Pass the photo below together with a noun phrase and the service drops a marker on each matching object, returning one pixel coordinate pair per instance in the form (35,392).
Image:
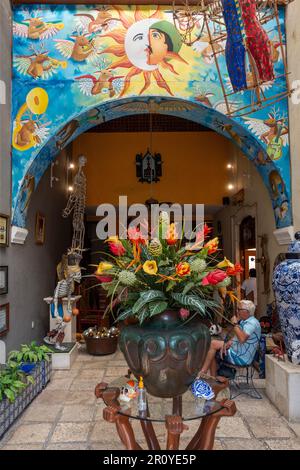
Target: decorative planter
(9,412)
(101,346)
(166,352)
(286,285)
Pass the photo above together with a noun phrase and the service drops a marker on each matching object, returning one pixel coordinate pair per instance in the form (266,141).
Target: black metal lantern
(148,167)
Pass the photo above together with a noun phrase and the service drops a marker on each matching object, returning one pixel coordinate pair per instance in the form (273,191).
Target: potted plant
(32,355)
(168,287)
(16,392)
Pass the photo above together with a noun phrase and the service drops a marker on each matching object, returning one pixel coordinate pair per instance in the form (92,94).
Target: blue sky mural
(77,66)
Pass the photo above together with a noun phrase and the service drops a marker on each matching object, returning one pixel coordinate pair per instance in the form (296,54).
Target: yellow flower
(212,245)
(102,267)
(150,267)
(225,264)
(113,239)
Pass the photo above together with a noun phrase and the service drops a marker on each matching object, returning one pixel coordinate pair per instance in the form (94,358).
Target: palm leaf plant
(144,277)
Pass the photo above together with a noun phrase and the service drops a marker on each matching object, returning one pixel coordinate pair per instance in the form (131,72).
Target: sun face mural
(76,66)
(145,46)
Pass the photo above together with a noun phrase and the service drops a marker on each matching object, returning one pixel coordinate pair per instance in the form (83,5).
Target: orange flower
(183,269)
(172,236)
(212,245)
(237,269)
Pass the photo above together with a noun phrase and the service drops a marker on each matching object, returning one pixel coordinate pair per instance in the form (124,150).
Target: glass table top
(159,408)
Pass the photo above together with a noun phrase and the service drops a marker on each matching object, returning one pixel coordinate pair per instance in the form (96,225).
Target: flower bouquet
(144,277)
(167,286)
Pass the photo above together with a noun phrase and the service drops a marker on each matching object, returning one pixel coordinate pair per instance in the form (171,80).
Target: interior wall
(194,166)
(256,203)
(5,109)
(32,267)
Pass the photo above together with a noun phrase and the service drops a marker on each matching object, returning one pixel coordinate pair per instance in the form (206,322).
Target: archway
(73,91)
(199,113)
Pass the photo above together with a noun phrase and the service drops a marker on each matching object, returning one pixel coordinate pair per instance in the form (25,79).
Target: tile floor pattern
(66,415)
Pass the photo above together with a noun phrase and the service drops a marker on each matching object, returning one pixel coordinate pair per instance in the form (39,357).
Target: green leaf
(145,298)
(188,287)
(191,301)
(10,394)
(143,314)
(127,313)
(157,307)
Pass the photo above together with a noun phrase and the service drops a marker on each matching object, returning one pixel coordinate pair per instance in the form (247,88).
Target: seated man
(241,349)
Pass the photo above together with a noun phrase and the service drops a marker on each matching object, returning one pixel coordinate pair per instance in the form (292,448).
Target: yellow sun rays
(118,50)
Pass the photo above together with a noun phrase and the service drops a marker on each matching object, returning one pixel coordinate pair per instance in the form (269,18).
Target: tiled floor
(66,415)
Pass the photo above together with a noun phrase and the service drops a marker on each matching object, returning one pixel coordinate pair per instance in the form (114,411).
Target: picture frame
(4,230)
(40,229)
(3,280)
(4,319)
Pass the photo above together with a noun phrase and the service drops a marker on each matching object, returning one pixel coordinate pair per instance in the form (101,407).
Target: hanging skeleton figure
(76,203)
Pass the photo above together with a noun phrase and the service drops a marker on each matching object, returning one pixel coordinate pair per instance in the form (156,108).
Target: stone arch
(197,112)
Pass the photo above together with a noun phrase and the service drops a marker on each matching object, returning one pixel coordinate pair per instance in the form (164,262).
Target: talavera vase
(167,352)
(286,285)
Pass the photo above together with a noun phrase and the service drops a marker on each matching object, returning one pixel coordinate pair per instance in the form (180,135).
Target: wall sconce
(53,178)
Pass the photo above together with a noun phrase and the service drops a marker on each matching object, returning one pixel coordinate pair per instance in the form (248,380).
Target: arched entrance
(176,107)
(117,74)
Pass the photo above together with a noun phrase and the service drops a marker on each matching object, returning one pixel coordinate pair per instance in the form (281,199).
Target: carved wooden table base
(202,440)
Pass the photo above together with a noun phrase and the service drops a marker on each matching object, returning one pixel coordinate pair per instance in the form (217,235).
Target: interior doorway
(247,245)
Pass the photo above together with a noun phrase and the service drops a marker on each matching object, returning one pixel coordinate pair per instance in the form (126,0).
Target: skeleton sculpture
(76,203)
(65,288)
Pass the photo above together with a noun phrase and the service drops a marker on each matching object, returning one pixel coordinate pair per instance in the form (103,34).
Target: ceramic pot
(101,346)
(167,352)
(286,285)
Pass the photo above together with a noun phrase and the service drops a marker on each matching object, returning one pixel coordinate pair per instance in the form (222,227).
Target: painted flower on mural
(145,43)
(149,276)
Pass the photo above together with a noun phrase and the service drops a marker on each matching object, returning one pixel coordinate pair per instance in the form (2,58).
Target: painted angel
(36,28)
(97,19)
(38,65)
(91,85)
(272,131)
(80,47)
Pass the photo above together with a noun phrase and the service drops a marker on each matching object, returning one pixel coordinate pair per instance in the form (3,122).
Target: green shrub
(13,381)
(30,353)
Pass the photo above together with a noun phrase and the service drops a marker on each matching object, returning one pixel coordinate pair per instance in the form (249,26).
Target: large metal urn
(286,285)
(167,352)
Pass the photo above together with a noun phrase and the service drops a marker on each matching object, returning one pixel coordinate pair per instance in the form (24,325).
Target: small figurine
(201,389)
(129,390)
(56,336)
(215,329)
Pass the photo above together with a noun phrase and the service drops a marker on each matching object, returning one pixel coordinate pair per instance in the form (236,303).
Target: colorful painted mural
(76,66)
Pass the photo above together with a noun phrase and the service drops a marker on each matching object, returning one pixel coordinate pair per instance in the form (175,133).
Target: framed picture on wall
(3,280)
(4,230)
(40,229)
(4,319)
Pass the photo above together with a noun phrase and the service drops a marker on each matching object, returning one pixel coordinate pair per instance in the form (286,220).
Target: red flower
(116,248)
(104,279)
(207,230)
(214,277)
(184,313)
(136,236)
(237,269)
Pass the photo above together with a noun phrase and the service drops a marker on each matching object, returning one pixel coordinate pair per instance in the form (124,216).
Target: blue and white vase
(286,285)
(201,389)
